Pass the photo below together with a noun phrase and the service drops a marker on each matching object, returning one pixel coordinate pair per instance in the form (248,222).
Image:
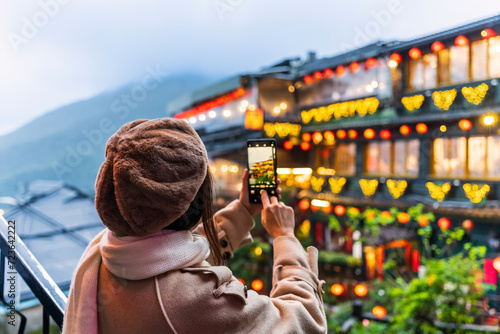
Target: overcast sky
(53,52)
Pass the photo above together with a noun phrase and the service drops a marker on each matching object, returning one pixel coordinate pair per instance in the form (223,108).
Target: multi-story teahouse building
(391,124)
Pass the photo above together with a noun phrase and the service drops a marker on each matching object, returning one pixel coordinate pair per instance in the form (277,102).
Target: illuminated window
(406,155)
(477,156)
(459,64)
(444,67)
(480,60)
(378,158)
(345,159)
(493,157)
(423,72)
(494,57)
(449,156)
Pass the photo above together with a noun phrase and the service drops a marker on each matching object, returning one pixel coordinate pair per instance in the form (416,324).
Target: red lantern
(318,75)
(488,33)
(403,218)
(371,62)
(423,221)
(461,41)
(465,124)
(354,67)
(339,210)
(288,145)
(328,73)
(369,133)
(353,134)
(340,70)
(396,57)
(379,312)
(257,285)
(317,137)
(304,204)
(415,260)
(444,223)
(314,207)
(308,79)
(421,128)
(241,281)
(437,47)
(496,264)
(329,136)
(360,290)
(415,53)
(337,289)
(327,209)
(468,225)
(385,134)
(306,136)
(341,134)
(405,130)
(305,146)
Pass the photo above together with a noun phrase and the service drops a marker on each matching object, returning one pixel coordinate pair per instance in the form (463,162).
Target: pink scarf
(132,258)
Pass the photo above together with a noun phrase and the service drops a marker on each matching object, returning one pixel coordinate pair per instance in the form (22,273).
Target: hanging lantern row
(339,71)
(360,290)
(240,92)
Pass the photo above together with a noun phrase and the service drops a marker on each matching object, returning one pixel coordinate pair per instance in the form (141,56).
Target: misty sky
(84,47)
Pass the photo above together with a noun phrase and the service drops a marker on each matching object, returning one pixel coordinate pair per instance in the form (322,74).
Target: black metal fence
(17,260)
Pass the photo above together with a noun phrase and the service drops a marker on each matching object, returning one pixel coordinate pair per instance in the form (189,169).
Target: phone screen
(261,168)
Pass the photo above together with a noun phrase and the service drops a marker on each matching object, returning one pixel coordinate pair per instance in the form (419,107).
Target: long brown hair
(202,207)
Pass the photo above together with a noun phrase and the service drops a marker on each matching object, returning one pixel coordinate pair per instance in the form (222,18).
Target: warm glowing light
(392,63)
(284,171)
(291,88)
(257,285)
(489,120)
(329,136)
(443,100)
(192,120)
(369,133)
(302,171)
(368,187)
(224,168)
(304,204)
(442,128)
(421,128)
(317,137)
(338,110)
(496,264)
(328,209)
(468,224)
(226,113)
(396,187)
(308,79)
(341,134)
(325,171)
(488,33)
(339,210)
(305,146)
(396,57)
(320,203)
(385,214)
(288,145)
(202,117)
(444,223)
(306,136)
(465,124)
(475,95)
(277,110)
(360,290)
(423,221)
(336,184)
(379,312)
(283,105)
(317,183)
(437,47)
(328,73)
(282,129)
(340,71)
(415,53)
(412,103)
(2,212)
(405,130)
(403,218)
(337,289)
(371,62)
(353,134)
(354,67)
(241,280)
(461,41)
(476,192)
(318,75)
(212,114)
(385,134)
(438,192)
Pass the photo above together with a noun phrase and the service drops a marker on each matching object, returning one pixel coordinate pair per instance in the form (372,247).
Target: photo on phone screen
(261,168)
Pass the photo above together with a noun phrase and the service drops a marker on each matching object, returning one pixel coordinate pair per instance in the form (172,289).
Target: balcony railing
(17,260)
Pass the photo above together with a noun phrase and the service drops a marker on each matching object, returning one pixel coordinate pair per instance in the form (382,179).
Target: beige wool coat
(209,299)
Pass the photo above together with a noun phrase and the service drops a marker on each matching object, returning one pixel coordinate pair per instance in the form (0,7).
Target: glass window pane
(384,162)
(416,81)
(345,159)
(477,156)
(494,57)
(444,67)
(459,64)
(457,149)
(479,60)
(494,156)
(430,70)
(440,157)
(399,158)
(372,157)
(412,156)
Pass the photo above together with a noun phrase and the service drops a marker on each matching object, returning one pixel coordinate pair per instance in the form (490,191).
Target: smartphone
(261,168)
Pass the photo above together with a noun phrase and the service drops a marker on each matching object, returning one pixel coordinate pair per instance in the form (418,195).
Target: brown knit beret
(152,172)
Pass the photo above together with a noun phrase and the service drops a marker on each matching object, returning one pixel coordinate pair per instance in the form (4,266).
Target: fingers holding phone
(277,218)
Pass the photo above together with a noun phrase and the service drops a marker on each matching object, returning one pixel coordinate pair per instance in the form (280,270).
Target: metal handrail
(41,284)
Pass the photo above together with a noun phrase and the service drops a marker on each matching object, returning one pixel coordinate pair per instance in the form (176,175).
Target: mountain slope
(68,143)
